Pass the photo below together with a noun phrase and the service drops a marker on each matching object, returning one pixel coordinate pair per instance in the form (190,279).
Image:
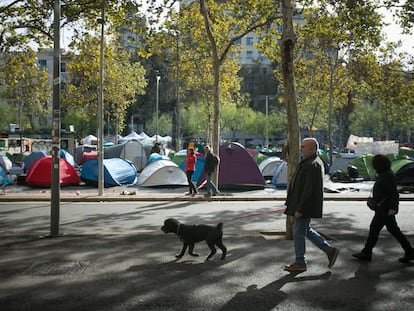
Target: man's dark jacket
(210,163)
(305,192)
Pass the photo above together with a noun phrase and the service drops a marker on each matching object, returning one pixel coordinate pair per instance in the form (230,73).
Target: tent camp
(39,173)
(268,166)
(131,150)
(162,173)
(117,172)
(238,170)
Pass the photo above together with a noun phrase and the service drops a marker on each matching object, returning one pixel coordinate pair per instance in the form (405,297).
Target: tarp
(268,166)
(32,158)
(131,150)
(354,140)
(238,170)
(117,172)
(340,162)
(162,173)
(39,174)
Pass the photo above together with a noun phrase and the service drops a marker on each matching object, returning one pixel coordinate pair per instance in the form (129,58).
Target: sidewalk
(94,269)
(82,193)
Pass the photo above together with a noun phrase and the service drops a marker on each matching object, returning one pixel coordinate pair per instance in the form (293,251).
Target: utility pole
(100,108)
(55,178)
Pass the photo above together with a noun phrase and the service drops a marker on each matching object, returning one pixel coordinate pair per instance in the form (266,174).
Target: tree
(25,88)
(225,22)
(123,82)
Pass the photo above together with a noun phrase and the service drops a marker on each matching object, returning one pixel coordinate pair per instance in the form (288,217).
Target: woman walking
(385,194)
(190,164)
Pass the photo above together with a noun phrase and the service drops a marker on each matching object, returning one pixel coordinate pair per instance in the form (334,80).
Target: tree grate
(56,268)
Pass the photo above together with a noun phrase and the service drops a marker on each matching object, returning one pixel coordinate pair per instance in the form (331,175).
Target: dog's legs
(223,249)
(190,250)
(182,251)
(213,250)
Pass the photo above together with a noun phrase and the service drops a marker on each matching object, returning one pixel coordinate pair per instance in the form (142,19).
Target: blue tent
(32,158)
(117,172)
(67,156)
(199,168)
(4,179)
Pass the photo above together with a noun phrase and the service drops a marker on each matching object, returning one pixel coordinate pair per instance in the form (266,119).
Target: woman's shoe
(362,256)
(407,257)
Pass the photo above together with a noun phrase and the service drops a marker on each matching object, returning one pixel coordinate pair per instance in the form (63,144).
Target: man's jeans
(211,187)
(303,230)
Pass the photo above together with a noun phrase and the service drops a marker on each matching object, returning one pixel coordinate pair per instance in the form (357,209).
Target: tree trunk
(287,45)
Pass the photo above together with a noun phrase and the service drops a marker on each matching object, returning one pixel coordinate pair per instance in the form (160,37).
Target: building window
(62,67)
(249,41)
(42,63)
(264,70)
(249,54)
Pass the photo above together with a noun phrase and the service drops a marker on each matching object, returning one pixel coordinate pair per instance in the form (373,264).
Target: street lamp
(333,61)
(157,100)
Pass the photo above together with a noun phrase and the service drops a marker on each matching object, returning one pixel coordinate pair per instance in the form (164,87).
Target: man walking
(304,201)
(209,168)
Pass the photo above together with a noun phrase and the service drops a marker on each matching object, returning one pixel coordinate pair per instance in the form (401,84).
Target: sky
(394,33)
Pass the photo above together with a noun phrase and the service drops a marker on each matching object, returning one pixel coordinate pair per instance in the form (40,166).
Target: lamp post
(157,100)
(333,60)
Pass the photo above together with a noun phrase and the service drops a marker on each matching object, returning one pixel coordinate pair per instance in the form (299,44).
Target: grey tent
(131,150)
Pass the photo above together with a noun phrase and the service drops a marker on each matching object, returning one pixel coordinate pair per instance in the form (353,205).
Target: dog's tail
(220,226)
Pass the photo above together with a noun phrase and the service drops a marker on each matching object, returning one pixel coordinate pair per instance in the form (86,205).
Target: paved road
(113,256)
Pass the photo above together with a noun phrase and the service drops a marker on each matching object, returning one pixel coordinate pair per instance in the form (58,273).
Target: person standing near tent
(386,196)
(304,201)
(209,168)
(189,168)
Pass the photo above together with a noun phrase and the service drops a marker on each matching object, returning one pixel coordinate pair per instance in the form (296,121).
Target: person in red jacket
(189,168)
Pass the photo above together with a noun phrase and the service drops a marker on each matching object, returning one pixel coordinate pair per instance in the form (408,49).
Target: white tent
(268,166)
(162,173)
(131,150)
(280,177)
(90,140)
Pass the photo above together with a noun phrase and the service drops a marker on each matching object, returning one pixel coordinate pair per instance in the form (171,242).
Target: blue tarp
(117,172)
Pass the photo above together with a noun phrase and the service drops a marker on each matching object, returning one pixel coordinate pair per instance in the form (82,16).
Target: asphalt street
(113,256)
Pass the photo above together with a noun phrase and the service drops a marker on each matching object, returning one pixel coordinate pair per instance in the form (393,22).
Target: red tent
(40,173)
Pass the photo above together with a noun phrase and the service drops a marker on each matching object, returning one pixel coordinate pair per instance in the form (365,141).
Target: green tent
(364,166)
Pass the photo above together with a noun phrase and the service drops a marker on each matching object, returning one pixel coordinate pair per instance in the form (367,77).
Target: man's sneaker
(362,256)
(332,254)
(295,267)
(408,257)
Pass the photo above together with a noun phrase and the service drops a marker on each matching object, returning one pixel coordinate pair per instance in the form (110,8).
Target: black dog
(191,234)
